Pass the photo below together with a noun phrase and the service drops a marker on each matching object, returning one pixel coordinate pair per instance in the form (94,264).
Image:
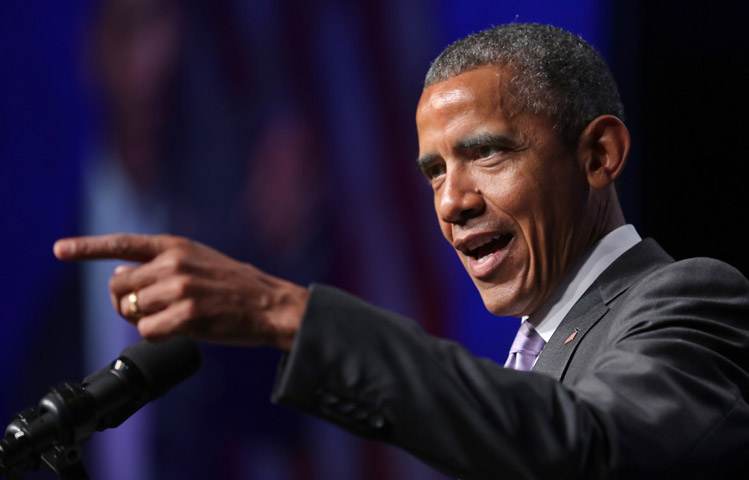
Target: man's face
(508,194)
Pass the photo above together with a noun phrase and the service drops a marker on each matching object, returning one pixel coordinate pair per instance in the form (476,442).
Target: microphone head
(163,365)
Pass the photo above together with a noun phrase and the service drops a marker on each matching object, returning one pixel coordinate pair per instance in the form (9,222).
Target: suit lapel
(593,305)
(556,355)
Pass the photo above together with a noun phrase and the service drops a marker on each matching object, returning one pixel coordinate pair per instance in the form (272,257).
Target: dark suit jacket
(655,384)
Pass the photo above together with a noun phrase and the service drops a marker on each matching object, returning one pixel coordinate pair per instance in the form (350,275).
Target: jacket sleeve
(380,376)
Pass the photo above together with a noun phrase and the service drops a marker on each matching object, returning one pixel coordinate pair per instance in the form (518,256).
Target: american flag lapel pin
(571,337)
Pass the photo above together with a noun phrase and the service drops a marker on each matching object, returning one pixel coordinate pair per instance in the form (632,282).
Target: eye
(487,151)
(433,171)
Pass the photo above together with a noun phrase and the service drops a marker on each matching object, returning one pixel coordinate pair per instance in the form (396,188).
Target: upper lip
(471,242)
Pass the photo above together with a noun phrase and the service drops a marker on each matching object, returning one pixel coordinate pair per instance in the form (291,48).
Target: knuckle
(182,286)
(148,331)
(190,308)
(117,244)
(169,262)
(172,241)
(116,285)
(122,311)
(174,260)
(155,328)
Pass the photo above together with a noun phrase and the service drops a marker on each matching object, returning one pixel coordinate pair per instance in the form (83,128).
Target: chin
(502,304)
(506,293)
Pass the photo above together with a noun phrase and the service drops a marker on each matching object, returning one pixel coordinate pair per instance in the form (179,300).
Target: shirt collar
(594,262)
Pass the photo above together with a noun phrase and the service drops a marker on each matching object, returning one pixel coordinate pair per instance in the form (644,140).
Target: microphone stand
(50,436)
(18,454)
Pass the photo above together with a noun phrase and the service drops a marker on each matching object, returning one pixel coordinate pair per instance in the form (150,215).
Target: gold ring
(133,299)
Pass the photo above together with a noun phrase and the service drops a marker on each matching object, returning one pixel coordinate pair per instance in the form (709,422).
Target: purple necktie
(526,347)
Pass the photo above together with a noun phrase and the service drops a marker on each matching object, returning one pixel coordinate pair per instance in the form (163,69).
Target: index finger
(123,246)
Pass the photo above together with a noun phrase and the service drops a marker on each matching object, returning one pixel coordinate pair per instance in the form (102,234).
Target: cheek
(512,192)
(521,198)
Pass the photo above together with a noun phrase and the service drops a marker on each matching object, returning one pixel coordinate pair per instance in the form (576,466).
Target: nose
(459,199)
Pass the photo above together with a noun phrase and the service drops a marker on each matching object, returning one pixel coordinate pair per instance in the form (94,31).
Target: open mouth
(493,245)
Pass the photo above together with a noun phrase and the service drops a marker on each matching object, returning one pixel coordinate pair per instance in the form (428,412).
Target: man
(644,372)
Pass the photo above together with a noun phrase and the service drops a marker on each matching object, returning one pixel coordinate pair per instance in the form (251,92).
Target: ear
(603,149)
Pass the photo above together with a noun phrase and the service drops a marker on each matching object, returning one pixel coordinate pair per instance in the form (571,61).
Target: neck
(602,216)
(605,215)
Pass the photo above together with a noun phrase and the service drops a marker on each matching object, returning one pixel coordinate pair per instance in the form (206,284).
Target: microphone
(69,414)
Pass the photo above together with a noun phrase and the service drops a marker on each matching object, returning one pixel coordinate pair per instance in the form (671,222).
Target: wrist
(291,303)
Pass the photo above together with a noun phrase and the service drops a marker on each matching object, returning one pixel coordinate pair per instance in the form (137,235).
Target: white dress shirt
(591,265)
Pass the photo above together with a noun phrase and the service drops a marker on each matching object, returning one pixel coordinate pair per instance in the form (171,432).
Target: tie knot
(526,347)
(527,340)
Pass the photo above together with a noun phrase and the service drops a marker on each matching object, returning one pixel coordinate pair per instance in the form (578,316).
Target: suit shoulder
(697,277)
(697,293)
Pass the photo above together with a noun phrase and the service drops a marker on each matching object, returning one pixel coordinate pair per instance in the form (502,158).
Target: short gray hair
(555,73)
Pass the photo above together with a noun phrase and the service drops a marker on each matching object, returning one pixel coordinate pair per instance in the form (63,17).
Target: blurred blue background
(281,132)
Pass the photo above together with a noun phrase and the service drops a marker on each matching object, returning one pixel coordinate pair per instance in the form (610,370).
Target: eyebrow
(424,162)
(478,140)
(482,139)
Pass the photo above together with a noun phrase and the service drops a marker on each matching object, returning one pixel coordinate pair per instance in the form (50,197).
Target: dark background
(282,133)
(694,125)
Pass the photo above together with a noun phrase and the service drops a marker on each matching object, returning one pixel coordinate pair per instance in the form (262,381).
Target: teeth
(483,259)
(481,242)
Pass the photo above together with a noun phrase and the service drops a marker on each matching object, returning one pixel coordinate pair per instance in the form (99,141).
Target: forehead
(485,85)
(472,100)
